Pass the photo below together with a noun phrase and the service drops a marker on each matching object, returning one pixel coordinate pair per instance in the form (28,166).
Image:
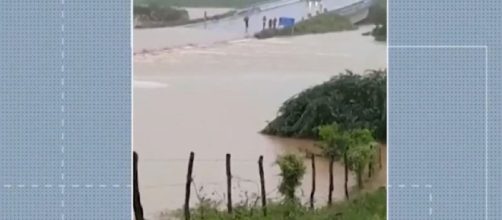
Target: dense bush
(350,100)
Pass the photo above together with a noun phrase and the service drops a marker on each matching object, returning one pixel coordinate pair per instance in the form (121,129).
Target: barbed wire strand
(166,160)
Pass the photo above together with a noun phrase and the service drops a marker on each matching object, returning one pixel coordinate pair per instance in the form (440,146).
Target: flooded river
(214,100)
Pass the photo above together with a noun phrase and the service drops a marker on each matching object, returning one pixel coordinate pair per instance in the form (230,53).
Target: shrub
(292,171)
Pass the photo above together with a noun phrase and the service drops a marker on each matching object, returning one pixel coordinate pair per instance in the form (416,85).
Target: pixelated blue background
(90,178)
(445,102)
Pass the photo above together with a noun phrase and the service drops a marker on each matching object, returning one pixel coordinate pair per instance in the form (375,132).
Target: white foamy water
(148,85)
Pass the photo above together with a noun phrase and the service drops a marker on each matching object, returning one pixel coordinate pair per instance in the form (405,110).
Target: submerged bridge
(297,9)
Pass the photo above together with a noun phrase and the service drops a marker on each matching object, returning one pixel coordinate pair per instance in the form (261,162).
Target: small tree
(335,142)
(329,134)
(292,171)
(360,153)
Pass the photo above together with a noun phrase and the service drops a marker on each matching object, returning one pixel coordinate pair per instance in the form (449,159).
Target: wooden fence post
(187,188)
(229,185)
(138,208)
(380,156)
(346,167)
(331,187)
(262,182)
(370,164)
(313,183)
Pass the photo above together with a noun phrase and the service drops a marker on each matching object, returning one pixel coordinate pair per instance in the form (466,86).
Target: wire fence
(233,182)
(197,186)
(238,180)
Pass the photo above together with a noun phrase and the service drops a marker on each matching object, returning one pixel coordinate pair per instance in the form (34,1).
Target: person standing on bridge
(264,22)
(205,19)
(274,24)
(246,22)
(270,23)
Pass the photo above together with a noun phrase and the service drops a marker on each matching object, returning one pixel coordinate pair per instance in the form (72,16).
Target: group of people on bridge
(272,23)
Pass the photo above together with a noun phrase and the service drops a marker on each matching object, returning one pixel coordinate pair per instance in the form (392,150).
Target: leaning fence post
(187,188)
(380,156)
(346,167)
(331,187)
(370,164)
(262,183)
(229,185)
(138,208)
(313,183)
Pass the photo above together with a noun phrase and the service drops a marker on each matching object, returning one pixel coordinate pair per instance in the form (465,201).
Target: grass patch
(323,23)
(366,206)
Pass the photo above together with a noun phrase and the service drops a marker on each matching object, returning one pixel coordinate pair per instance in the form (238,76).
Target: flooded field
(215,99)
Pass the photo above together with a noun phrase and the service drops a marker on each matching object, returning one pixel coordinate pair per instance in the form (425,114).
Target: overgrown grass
(366,206)
(323,23)
(201,3)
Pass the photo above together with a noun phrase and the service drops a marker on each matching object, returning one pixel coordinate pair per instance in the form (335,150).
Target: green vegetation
(355,145)
(154,15)
(351,100)
(200,3)
(323,23)
(292,171)
(367,206)
(359,153)
(158,15)
(378,16)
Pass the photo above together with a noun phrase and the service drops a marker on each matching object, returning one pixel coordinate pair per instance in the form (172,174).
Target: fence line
(230,178)
(167,160)
(235,178)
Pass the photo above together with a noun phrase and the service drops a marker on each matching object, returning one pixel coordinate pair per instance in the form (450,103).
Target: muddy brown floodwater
(214,100)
